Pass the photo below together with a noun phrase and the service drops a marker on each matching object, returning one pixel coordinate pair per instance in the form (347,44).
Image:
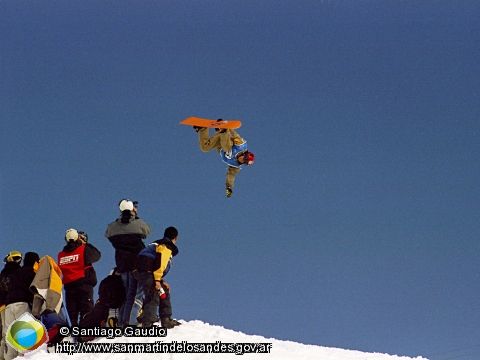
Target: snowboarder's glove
(229,192)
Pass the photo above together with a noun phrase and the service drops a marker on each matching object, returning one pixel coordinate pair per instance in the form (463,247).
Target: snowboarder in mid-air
(231,148)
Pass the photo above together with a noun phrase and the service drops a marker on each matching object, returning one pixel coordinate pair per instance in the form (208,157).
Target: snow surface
(196,331)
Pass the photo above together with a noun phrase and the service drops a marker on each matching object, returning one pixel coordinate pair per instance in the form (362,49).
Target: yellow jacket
(47,287)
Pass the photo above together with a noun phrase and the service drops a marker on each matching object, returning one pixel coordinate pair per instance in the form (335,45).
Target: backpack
(111,291)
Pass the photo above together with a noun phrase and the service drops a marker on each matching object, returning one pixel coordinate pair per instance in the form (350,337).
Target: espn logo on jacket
(64,260)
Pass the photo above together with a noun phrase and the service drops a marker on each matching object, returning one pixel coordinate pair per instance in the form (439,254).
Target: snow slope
(198,332)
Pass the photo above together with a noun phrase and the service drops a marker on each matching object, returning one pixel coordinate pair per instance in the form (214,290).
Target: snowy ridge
(196,331)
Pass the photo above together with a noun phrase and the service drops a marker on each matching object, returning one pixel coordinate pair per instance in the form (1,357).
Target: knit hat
(170,233)
(30,259)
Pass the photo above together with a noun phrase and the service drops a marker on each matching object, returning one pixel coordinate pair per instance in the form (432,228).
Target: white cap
(71,235)
(125,204)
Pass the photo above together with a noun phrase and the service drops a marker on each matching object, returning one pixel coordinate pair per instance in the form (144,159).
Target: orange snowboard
(219,124)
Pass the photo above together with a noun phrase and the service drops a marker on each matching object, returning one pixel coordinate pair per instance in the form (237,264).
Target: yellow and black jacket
(156,258)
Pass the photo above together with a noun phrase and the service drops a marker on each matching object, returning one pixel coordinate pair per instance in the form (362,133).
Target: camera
(83,235)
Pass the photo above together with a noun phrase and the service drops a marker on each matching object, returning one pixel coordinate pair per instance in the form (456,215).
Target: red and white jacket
(75,261)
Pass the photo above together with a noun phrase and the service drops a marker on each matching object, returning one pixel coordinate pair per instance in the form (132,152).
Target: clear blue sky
(358,225)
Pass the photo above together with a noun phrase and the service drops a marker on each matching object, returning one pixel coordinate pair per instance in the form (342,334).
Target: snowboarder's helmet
(13,256)
(249,158)
(71,235)
(127,204)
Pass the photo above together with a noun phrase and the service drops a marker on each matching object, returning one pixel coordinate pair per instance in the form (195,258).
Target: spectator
(79,277)
(153,263)
(12,263)
(126,235)
(19,298)
(111,295)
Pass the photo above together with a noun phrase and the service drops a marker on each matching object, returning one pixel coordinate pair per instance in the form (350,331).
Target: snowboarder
(231,148)
(79,277)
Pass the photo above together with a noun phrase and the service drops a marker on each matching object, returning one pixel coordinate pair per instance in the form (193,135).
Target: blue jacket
(230,157)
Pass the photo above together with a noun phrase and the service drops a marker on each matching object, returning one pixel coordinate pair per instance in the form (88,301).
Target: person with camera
(126,234)
(79,277)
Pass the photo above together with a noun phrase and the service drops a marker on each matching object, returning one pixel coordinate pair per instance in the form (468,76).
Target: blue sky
(357,227)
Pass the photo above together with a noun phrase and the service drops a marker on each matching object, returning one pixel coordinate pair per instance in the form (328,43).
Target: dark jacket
(126,235)
(8,270)
(19,288)
(90,256)
(20,281)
